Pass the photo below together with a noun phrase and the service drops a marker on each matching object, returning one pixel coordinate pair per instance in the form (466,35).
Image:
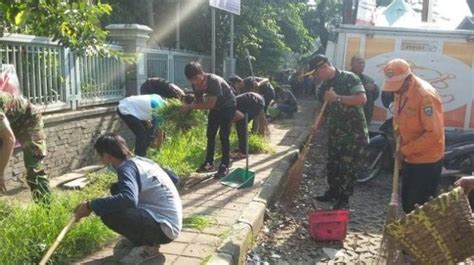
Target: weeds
(28,231)
(198,222)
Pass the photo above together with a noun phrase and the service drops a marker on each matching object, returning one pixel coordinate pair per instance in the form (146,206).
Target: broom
(261,125)
(58,240)
(389,251)
(296,170)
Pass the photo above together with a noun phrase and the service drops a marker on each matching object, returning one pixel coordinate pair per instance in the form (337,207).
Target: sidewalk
(237,214)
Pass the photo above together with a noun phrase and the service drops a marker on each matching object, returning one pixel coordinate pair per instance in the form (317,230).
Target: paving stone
(206,239)
(198,250)
(174,248)
(187,237)
(187,261)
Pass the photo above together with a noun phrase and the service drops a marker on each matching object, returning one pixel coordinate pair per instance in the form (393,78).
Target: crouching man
(144,206)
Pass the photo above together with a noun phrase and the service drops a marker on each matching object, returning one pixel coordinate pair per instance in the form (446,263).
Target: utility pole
(213,40)
(427,11)
(347,12)
(178,22)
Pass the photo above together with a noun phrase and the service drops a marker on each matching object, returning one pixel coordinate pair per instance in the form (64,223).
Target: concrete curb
(234,248)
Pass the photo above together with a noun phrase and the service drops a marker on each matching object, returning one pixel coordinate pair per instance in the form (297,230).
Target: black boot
(327,197)
(341,203)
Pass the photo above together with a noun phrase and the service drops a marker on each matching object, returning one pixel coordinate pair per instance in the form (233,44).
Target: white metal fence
(53,77)
(169,64)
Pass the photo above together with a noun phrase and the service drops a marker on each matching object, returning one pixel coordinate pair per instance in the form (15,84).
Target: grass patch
(198,222)
(205,260)
(183,152)
(257,143)
(27,231)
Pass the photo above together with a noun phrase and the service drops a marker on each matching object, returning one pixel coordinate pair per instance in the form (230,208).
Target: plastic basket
(439,232)
(328,225)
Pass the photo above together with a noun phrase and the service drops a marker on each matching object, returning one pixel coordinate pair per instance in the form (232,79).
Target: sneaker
(206,168)
(223,171)
(141,254)
(238,155)
(326,197)
(341,203)
(123,245)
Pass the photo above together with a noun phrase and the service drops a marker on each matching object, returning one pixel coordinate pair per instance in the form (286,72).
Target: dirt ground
(284,238)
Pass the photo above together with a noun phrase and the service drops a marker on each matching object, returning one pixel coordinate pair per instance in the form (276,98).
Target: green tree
(269,29)
(75,24)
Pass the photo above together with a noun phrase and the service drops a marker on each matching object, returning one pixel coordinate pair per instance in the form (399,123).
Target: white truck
(445,58)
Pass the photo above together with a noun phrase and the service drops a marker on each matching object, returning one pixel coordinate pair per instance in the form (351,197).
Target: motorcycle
(458,155)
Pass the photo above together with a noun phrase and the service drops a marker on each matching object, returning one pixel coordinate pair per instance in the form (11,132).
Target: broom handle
(57,241)
(396,173)
(317,122)
(246,144)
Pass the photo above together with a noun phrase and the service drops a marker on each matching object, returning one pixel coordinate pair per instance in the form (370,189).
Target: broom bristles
(295,174)
(389,252)
(261,125)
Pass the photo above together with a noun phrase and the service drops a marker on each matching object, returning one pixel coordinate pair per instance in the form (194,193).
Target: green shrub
(173,120)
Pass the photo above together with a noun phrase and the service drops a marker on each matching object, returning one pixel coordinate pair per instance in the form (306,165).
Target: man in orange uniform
(418,120)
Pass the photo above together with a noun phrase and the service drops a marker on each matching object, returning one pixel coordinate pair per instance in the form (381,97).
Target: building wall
(70,140)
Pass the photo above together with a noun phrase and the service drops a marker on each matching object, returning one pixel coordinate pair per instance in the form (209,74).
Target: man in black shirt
(249,103)
(262,86)
(236,83)
(213,93)
(162,87)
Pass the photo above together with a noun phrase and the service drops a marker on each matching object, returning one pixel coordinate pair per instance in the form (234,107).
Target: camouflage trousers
(33,145)
(342,167)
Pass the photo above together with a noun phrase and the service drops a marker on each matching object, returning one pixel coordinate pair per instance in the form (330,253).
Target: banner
(366,12)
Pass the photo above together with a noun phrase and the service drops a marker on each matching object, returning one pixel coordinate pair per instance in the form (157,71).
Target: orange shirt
(418,115)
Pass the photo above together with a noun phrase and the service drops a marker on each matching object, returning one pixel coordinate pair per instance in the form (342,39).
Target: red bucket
(328,225)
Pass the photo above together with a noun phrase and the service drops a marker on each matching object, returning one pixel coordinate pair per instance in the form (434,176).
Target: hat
(395,71)
(315,63)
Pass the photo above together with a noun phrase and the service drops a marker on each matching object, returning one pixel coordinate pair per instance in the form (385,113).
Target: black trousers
(219,120)
(419,183)
(142,133)
(242,132)
(137,225)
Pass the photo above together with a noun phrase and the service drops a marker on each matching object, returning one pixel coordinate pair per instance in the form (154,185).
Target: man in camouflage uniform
(372,91)
(19,120)
(348,134)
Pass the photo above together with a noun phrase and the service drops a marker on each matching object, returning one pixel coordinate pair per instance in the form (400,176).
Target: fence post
(171,67)
(132,37)
(71,77)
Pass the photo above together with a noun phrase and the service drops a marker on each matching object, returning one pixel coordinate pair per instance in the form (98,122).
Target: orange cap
(395,71)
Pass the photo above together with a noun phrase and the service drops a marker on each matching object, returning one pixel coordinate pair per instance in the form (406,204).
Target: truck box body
(445,58)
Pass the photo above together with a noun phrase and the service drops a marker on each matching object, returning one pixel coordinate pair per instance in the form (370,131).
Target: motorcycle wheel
(374,162)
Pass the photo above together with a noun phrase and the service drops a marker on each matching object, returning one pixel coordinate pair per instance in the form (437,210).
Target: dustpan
(241,177)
